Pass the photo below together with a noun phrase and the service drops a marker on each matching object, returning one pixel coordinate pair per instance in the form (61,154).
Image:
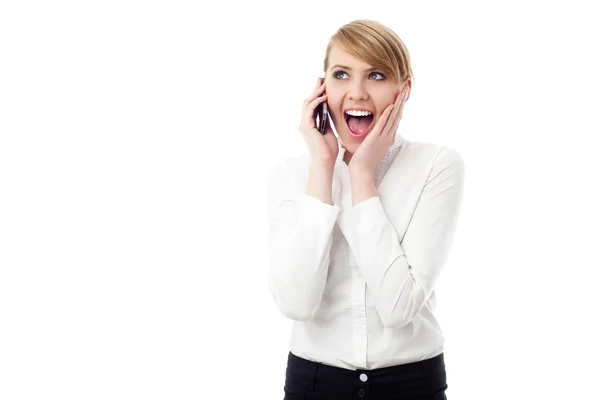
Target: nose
(357,91)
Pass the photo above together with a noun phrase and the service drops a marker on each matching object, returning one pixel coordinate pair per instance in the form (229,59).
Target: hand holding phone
(315,127)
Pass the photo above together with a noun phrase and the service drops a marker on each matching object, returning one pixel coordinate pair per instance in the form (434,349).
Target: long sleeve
(402,275)
(300,237)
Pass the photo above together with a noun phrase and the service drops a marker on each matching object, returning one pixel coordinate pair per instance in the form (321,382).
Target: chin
(350,145)
(349,142)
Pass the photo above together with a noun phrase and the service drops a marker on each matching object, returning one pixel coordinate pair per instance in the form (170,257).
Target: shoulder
(291,162)
(288,169)
(431,156)
(434,152)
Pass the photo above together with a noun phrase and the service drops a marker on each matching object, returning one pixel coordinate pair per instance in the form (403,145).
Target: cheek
(385,98)
(383,103)
(333,100)
(334,107)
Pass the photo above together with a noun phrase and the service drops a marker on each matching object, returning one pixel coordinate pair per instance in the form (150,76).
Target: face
(352,84)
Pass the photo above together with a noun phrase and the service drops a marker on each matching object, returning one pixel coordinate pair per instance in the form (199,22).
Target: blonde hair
(375,44)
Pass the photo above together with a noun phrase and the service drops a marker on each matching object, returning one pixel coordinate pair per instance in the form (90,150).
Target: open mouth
(359,124)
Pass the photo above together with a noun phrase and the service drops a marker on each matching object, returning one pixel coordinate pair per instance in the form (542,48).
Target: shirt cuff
(314,212)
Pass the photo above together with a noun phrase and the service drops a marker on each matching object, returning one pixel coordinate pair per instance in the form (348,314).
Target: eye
(378,73)
(337,74)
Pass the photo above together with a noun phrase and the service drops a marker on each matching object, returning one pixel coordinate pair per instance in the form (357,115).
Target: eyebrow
(350,69)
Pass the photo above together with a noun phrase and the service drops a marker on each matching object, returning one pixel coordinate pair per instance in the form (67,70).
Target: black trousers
(422,380)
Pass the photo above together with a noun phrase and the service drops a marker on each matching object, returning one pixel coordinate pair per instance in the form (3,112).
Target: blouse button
(363,377)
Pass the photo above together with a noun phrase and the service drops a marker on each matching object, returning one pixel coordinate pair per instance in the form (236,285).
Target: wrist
(322,164)
(363,187)
(361,174)
(320,179)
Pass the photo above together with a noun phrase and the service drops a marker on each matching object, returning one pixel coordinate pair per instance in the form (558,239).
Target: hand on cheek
(397,113)
(377,143)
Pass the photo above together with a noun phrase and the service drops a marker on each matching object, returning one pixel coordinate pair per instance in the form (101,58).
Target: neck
(347,157)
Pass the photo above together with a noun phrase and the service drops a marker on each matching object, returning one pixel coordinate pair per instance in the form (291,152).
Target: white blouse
(359,281)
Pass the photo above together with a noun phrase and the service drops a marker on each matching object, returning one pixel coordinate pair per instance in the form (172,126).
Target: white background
(135,138)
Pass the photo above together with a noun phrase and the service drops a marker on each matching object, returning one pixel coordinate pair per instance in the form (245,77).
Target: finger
(399,101)
(386,119)
(394,128)
(316,93)
(393,125)
(398,118)
(396,115)
(380,124)
(311,109)
(313,104)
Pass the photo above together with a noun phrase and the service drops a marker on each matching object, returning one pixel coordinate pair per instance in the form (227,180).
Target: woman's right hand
(323,148)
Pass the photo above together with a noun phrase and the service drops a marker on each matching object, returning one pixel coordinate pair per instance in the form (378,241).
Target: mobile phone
(322,115)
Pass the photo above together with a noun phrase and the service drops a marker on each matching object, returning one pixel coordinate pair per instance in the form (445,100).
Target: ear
(409,84)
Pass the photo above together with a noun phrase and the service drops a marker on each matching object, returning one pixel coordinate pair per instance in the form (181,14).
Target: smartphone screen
(322,115)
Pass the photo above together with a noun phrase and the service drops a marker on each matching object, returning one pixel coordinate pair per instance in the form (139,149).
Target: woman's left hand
(377,143)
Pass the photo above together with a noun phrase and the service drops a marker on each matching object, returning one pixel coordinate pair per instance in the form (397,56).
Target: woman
(359,230)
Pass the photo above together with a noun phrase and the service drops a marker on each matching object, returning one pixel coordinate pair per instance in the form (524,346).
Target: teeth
(356,113)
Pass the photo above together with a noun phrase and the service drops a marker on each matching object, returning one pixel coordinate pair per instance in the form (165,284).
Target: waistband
(431,364)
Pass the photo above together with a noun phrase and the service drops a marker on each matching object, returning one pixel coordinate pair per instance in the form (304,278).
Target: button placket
(362,392)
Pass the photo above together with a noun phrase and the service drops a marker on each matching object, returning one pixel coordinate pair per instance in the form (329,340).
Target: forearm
(300,261)
(363,187)
(381,259)
(320,179)
(401,268)
(384,266)
(300,238)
